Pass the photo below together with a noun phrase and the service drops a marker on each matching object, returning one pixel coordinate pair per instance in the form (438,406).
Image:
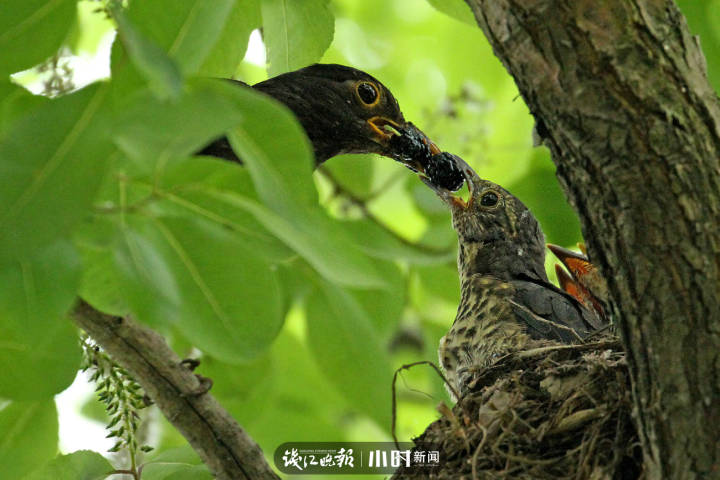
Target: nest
(550,413)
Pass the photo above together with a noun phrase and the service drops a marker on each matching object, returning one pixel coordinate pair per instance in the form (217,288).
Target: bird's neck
(502,261)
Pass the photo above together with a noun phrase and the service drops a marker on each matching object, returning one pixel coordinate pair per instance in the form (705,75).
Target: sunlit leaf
(162,74)
(287,380)
(457,9)
(186,30)
(31,31)
(152,130)
(39,354)
(225,57)
(296,33)
(323,243)
(28,436)
(349,351)
(80,465)
(202,279)
(52,161)
(384,306)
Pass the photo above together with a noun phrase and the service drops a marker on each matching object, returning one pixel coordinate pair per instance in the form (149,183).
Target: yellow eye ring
(367,93)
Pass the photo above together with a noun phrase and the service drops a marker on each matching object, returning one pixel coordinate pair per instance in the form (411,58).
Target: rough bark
(221,443)
(620,95)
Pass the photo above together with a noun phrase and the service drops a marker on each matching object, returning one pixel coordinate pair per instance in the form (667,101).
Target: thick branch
(221,443)
(620,95)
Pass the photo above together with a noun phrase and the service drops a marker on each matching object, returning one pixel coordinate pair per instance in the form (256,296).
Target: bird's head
(345,110)
(497,233)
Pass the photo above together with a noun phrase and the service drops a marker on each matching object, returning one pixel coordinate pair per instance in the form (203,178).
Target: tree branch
(221,443)
(619,92)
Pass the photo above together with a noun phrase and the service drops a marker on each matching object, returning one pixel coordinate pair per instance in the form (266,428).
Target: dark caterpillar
(443,171)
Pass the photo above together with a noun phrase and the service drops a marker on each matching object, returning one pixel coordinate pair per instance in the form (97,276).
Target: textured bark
(621,98)
(221,443)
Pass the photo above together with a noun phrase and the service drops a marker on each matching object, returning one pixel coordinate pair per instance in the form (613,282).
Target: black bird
(507,302)
(343,110)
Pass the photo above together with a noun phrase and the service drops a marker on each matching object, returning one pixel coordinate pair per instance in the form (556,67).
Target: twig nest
(550,413)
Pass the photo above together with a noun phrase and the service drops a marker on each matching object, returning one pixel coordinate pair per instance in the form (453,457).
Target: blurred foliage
(302,292)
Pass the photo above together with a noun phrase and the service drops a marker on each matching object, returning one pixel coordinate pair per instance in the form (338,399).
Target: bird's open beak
(405,143)
(576,263)
(451,198)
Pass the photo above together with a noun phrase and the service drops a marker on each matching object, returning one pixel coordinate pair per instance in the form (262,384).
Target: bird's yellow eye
(367,93)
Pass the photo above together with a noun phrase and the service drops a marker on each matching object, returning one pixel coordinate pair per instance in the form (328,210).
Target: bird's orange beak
(576,263)
(385,130)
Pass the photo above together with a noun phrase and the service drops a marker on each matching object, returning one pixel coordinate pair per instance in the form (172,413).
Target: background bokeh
(310,382)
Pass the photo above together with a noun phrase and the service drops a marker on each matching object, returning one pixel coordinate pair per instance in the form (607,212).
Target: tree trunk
(620,95)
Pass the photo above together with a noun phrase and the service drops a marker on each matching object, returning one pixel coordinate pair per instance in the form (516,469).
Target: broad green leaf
(379,243)
(15,102)
(185,30)
(225,57)
(39,354)
(349,351)
(284,394)
(353,172)
(28,436)
(80,465)
(52,161)
(31,31)
(320,241)
(168,470)
(276,152)
(162,74)
(175,464)
(456,9)
(203,280)
(384,306)
(296,33)
(151,130)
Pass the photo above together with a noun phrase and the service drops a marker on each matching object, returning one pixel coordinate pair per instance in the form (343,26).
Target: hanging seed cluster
(122,396)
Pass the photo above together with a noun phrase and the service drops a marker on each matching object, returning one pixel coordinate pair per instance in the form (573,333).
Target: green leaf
(28,436)
(296,33)
(457,9)
(151,130)
(320,241)
(16,102)
(39,354)
(377,242)
(32,30)
(162,74)
(202,279)
(52,161)
(276,152)
(277,155)
(384,306)
(349,351)
(225,57)
(186,31)
(80,465)
(283,394)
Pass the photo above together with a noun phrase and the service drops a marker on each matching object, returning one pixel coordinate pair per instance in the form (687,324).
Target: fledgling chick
(507,302)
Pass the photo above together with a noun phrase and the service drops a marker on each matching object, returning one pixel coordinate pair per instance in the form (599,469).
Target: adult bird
(343,110)
(507,302)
